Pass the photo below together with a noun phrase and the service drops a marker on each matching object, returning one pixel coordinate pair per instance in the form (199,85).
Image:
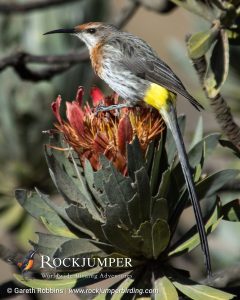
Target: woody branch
(14,7)
(59,63)
(220,107)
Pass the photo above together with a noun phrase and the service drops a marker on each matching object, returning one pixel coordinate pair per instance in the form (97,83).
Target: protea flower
(123,193)
(108,133)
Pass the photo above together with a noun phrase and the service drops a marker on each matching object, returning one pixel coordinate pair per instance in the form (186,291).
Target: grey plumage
(142,60)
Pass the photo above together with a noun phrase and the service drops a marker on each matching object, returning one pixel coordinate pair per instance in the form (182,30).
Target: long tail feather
(170,118)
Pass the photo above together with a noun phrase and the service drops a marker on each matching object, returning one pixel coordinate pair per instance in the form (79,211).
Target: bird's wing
(140,59)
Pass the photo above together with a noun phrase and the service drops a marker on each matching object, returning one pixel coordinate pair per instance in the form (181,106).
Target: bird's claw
(100,107)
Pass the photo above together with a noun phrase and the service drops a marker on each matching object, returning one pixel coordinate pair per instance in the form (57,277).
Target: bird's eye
(91,30)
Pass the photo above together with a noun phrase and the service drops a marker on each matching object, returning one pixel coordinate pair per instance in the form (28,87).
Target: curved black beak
(70,30)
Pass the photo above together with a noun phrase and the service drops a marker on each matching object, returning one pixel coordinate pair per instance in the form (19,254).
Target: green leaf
(191,239)
(68,179)
(92,183)
(211,184)
(40,210)
(62,231)
(119,191)
(124,285)
(48,243)
(134,157)
(219,63)
(58,283)
(160,237)
(204,189)
(143,188)
(84,219)
(135,211)
(156,167)
(196,156)
(155,237)
(159,209)
(200,292)
(121,238)
(115,217)
(203,148)
(196,7)
(166,290)
(165,184)
(198,133)
(206,146)
(149,156)
(208,186)
(106,248)
(60,209)
(197,173)
(118,188)
(97,179)
(199,43)
(231,211)
(77,248)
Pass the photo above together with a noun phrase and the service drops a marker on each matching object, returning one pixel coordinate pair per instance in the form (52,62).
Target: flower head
(107,132)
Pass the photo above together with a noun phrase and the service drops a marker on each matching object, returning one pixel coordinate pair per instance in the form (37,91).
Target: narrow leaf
(40,210)
(198,153)
(134,157)
(159,209)
(58,283)
(61,231)
(219,63)
(197,7)
(231,211)
(191,239)
(200,292)
(209,185)
(166,290)
(144,192)
(198,133)
(199,43)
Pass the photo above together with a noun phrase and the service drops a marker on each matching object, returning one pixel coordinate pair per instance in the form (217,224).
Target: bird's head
(90,33)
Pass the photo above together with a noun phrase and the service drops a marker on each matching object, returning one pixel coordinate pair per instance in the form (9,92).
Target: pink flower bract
(107,133)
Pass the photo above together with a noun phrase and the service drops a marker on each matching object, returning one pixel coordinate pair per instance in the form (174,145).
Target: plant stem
(220,107)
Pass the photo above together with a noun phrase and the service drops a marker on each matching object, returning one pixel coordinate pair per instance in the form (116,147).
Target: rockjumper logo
(73,262)
(26,263)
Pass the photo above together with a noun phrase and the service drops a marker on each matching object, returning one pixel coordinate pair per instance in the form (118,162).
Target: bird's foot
(100,108)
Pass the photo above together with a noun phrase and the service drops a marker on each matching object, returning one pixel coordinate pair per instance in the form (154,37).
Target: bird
(133,70)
